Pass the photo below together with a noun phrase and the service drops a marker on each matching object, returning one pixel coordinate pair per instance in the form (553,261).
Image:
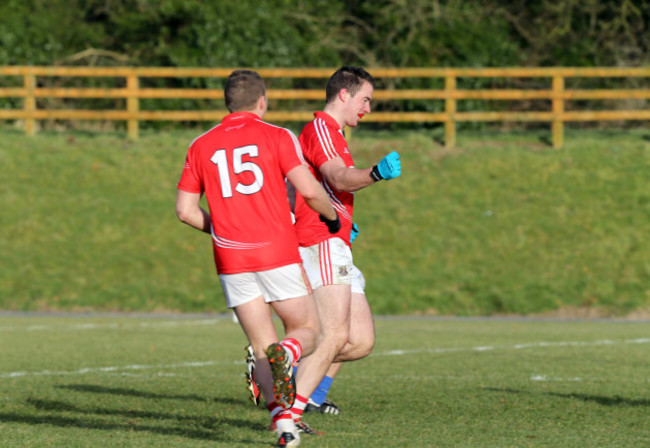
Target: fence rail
(556,94)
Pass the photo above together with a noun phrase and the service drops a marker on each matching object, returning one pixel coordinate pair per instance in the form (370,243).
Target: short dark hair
(243,89)
(349,78)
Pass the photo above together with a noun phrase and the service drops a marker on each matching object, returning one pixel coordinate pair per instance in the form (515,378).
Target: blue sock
(320,394)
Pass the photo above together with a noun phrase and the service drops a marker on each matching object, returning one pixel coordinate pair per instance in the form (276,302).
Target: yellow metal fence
(132,114)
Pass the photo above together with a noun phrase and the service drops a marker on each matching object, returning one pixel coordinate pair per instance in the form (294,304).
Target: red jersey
(241,165)
(322,139)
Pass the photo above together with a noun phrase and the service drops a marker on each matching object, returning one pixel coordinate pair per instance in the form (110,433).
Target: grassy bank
(504,224)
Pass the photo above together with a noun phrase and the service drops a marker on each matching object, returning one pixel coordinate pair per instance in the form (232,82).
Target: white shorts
(286,282)
(330,263)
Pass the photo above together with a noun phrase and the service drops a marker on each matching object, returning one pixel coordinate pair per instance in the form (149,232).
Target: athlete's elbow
(183,214)
(310,192)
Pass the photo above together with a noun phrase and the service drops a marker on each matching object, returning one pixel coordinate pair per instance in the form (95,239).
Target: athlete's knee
(365,347)
(307,336)
(334,339)
(311,328)
(358,347)
(308,322)
(363,339)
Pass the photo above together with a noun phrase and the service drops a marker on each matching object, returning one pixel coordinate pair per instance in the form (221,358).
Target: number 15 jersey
(241,165)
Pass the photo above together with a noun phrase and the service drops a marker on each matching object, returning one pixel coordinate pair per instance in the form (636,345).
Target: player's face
(359,104)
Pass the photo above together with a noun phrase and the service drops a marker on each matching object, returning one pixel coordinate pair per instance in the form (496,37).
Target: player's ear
(344,95)
(263,104)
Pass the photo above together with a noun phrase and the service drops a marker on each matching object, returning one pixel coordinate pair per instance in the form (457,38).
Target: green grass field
(501,225)
(143,381)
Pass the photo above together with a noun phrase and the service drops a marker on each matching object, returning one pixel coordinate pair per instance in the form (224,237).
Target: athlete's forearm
(199,220)
(349,179)
(189,212)
(321,204)
(312,192)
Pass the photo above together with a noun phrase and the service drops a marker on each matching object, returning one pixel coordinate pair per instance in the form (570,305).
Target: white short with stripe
(330,263)
(286,282)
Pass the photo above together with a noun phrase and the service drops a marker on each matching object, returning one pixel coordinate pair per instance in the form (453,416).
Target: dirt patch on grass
(640,314)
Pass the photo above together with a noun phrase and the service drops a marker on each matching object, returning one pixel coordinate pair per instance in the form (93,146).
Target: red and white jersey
(241,166)
(322,140)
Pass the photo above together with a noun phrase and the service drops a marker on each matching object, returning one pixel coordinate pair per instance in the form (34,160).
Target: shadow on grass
(98,424)
(66,415)
(61,414)
(60,406)
(605,401)
(91,388)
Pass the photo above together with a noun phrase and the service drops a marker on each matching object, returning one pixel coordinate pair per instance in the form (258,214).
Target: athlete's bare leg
(256,320)
(361,337)
(300,319)
(334,310)
(334,369)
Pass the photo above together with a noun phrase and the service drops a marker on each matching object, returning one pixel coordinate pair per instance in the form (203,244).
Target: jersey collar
(239,117)
(329,120)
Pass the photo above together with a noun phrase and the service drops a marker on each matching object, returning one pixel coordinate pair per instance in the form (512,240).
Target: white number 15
(219,158)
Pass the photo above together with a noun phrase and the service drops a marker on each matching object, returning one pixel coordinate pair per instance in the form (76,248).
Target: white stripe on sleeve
(325,140)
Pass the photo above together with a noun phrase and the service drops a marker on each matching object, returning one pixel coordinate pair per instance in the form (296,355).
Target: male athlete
(241,165)
(347,328)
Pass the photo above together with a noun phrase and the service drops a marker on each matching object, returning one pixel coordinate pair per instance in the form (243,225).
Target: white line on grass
(139,375)
(541,344)
(120,326)
(112,369)
(433,351)
(554,378)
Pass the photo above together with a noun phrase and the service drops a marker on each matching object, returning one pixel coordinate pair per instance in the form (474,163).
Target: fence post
(132,106)
(558,109)
(450,109)
(29,104)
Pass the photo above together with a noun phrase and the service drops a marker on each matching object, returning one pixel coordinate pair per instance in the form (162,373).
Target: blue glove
(389,167)
(354,232)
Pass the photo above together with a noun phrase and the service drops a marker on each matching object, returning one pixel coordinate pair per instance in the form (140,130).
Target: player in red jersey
(347,328)
(240,165)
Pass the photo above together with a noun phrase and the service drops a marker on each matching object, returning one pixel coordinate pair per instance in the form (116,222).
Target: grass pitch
(143,381)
